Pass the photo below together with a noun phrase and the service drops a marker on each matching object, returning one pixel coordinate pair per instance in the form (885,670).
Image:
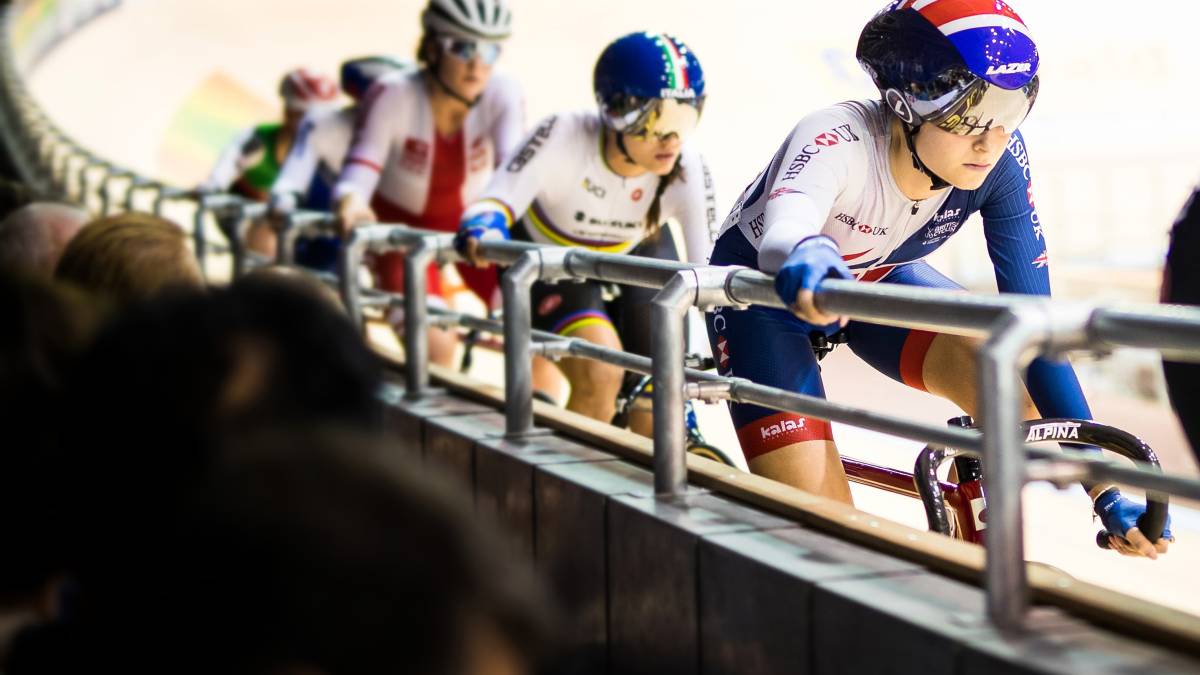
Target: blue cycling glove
(813,260)
(1119,513)
(482,225)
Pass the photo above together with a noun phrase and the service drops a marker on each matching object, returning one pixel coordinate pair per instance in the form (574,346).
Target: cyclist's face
(467,77)
(654,153)
(962,161)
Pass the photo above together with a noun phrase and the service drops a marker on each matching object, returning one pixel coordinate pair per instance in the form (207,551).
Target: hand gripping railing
(1016,328)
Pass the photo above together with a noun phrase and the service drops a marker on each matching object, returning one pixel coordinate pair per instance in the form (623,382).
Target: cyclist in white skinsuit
(427,143)
(607,182)
(567,195)
(311,170)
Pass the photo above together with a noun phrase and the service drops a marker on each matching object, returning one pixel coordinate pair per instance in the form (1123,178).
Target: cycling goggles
(978,108)
(661,118)
(467,50)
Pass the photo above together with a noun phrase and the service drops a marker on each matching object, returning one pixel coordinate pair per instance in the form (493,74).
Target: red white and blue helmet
(357,75)
(966,66)
(649,83)
(302,89)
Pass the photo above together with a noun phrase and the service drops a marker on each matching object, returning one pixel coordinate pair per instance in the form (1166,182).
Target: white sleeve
(226,169)
(691,201)
(509,124)
(298,168)
(373,136)
(528,168)
(808,180)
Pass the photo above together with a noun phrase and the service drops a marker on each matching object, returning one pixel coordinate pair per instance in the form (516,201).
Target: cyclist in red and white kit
(427,143)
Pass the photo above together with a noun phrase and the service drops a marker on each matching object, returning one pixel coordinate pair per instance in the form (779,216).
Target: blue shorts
(774,348)
(319,253)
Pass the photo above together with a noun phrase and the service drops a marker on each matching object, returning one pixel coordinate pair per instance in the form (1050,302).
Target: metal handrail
(1016,328)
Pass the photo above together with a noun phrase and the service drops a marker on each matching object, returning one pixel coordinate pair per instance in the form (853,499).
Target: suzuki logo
(1010,69)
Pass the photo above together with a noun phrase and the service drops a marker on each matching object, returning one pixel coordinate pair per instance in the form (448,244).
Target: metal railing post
(668,310)
(547,264)
(1000,416)
(515,285)
(348,266)
(421,250)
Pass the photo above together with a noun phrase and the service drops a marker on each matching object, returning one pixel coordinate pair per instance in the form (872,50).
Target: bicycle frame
(903,483)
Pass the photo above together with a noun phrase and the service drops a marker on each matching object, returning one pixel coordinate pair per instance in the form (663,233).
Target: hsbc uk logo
(783,427)
(836,136)
(856,226)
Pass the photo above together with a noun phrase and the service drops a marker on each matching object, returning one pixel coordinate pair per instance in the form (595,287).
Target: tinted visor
(658,117)
(983,106)
(466,50)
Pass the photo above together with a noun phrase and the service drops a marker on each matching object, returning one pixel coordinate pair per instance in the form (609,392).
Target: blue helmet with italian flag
(966,66)
(649,84)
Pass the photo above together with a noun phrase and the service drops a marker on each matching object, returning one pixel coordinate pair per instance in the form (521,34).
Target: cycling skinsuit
(832,177)
(411,174)
(255,181)
(311,169)
(559,189)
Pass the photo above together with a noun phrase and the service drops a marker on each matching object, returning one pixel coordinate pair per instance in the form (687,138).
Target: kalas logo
(783,427)
(1058,431)
(1010,69)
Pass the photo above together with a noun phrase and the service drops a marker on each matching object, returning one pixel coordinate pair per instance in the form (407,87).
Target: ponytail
(654,215)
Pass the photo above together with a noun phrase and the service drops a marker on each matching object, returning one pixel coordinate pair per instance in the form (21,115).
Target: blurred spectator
(129,257)
(190,366)
(301,279)
(1181,285)
(44,330)
(33,237)
(14,195)
(311,550)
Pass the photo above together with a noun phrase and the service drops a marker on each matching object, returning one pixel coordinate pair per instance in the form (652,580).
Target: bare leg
(594,385)
(812,466)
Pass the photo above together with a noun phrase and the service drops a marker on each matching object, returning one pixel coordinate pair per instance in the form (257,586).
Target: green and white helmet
(471,19)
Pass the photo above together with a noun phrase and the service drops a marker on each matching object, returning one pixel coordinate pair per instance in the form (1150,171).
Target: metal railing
(1016,329)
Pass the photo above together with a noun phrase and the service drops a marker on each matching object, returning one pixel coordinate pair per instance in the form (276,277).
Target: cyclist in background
(307,177)
(250,163)
(426,144)
(865,190)
(1181,286)
(607,181)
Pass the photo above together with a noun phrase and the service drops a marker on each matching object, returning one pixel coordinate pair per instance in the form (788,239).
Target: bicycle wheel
(711,452)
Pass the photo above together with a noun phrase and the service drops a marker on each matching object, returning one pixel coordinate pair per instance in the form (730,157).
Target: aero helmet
(649,83)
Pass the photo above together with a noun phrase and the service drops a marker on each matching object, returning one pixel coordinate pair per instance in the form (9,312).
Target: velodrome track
(128,85)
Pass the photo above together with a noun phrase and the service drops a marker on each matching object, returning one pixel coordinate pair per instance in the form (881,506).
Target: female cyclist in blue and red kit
(866,190)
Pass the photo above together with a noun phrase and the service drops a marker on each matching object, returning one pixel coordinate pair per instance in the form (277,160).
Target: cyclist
(308,175)
(427,143)
(607,182)
(250,163)
(1181,285)
(865,190)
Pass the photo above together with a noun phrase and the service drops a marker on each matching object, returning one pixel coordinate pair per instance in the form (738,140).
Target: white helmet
(472,19)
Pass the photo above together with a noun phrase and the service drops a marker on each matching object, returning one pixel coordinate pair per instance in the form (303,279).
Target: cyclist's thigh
(631,311)
(769,347)
(899,353)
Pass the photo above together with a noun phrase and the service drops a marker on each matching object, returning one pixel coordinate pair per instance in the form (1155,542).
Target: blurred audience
(33,237)
(309,551)
(45,329)
(129,257)
(1181,285)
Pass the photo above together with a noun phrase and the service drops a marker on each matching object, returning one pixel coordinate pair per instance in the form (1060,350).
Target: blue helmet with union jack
(966,66)
(649,83)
